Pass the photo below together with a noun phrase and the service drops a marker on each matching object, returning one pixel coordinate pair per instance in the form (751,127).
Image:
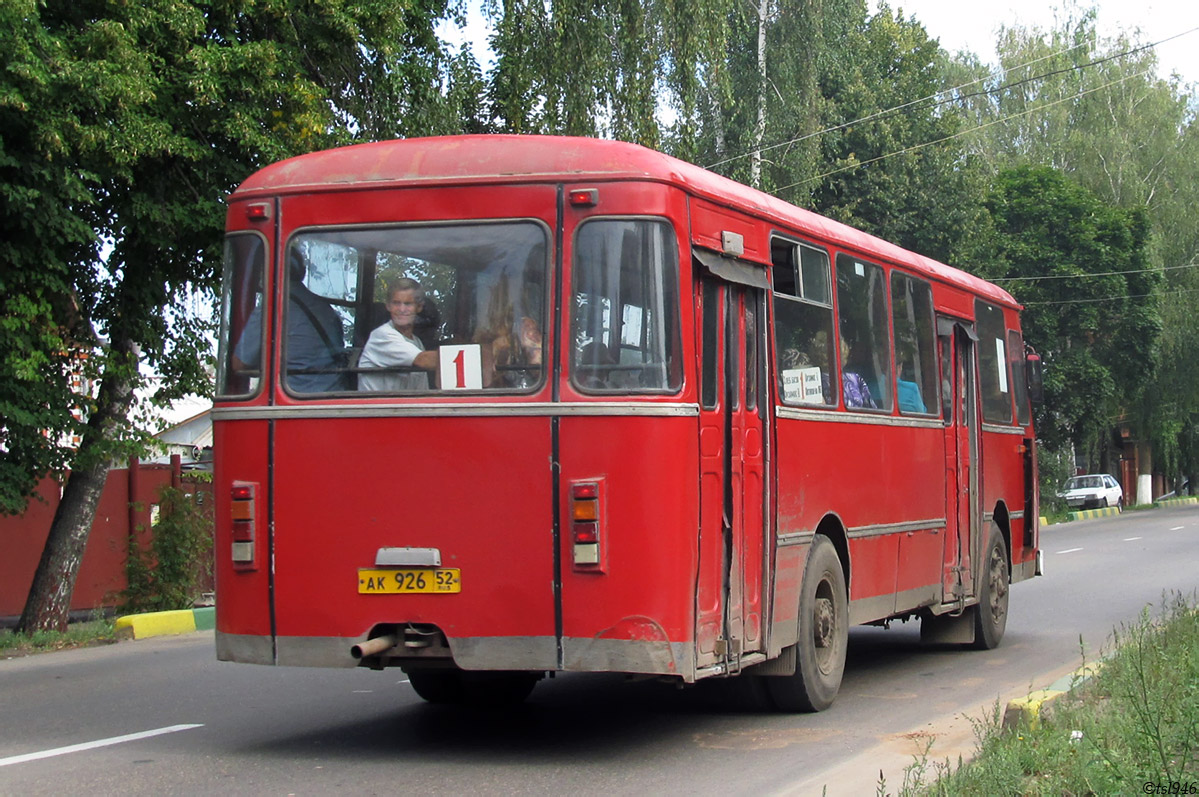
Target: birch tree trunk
(755,166)
(49,603)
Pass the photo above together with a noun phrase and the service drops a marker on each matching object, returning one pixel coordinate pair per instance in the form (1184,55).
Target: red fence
(125,508)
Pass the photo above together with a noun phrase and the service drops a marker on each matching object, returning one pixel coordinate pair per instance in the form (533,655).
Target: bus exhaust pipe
(372,647)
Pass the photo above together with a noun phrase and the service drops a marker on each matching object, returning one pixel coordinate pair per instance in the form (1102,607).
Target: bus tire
(438,686)
(484,688)
(990,616)
(823,635)
(498,689)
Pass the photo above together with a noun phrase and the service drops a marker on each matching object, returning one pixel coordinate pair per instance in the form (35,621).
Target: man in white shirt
(395,344)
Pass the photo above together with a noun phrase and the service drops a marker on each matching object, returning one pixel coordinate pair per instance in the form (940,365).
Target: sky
(976,29)
(973,25)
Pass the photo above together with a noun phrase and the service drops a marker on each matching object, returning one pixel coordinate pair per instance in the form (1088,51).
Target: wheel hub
(823,622)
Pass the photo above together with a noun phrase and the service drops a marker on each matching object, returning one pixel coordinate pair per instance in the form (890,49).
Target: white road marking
(1070,550)
(78,748)
(1178,528)
(1130,539)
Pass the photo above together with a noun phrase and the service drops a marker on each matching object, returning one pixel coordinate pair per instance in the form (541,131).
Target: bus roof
(478,159)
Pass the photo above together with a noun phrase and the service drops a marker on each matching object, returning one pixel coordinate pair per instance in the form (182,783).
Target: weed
(1134,723)
(98,631)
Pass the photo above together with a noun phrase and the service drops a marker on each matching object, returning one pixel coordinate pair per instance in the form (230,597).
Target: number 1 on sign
(461,367)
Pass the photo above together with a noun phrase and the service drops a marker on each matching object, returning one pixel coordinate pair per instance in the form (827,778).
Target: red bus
(496,407)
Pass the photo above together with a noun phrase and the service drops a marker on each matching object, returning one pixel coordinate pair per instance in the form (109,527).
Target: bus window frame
(370,271)
(794,244)
(931,406)
(225,344)
(987,357)
(886,375)
(674,337)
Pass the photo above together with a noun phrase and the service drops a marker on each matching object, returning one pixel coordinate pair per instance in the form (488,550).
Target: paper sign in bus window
(803,385)
(461,367)
(1001,361)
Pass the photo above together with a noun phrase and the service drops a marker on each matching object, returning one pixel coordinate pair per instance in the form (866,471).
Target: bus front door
(732,482)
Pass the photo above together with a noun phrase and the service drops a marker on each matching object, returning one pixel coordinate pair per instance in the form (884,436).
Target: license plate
(409,581)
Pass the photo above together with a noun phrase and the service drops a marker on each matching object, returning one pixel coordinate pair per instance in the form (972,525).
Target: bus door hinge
(730,651)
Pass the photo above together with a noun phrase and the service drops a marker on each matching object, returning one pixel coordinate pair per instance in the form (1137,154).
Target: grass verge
(1131,729)
(78,635)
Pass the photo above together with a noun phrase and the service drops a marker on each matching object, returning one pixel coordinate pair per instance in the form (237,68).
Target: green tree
(1098,110)
(126,123)
(1080,267)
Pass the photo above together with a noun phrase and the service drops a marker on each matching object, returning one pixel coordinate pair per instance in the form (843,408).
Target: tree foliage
(126,123)
(1080,267)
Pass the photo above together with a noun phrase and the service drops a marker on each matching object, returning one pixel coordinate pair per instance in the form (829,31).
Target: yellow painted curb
(140,626)
(1026,711)
(1087,514)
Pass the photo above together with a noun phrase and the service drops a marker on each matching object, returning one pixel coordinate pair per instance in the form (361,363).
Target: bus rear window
(413,310)
(240,371)
(625,308)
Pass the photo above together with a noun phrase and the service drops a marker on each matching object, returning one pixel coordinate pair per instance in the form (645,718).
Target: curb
(182,621)
(1026,711)
(1087,514)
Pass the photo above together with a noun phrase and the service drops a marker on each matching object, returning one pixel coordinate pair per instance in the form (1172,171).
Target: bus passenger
(853,387)
(314,347)
(394,344)
(907,393)
(511,357)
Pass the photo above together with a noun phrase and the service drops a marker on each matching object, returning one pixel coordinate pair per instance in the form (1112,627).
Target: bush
(168,575)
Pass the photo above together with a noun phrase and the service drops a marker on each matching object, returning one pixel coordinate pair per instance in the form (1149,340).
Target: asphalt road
(220,728)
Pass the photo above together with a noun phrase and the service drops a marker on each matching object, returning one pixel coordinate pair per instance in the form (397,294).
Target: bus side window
(1015,354)
(625,308)
(992,363)
(915,355)
(865,342)
(803,323)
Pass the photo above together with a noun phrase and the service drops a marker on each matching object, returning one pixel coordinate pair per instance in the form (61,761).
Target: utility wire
(1110,298)
(895,109)
(1096,274)
(887,112)
(959,134)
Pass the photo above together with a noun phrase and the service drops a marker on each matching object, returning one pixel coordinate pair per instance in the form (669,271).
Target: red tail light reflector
(241,525)
(585,525)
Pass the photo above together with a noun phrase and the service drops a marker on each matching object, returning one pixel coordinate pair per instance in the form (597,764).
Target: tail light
(241,517)
(585,526)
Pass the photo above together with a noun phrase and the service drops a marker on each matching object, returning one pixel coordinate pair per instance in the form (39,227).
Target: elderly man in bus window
(395,347)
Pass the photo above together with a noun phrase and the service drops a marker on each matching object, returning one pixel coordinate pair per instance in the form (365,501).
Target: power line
(898,108)
(960,133)
(894,109)
(1110,298)
(1096,274)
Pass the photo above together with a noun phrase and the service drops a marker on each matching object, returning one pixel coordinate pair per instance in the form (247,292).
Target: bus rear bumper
(651,657)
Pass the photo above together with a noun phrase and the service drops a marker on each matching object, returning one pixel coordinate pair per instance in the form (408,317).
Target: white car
(1094,490)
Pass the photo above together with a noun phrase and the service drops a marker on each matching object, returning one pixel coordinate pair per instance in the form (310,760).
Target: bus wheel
(990,618)
(438,686)
(498,688)
(473,688)
(823,635)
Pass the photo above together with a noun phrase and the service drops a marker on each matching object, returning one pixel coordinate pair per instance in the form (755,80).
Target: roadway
(163,716)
